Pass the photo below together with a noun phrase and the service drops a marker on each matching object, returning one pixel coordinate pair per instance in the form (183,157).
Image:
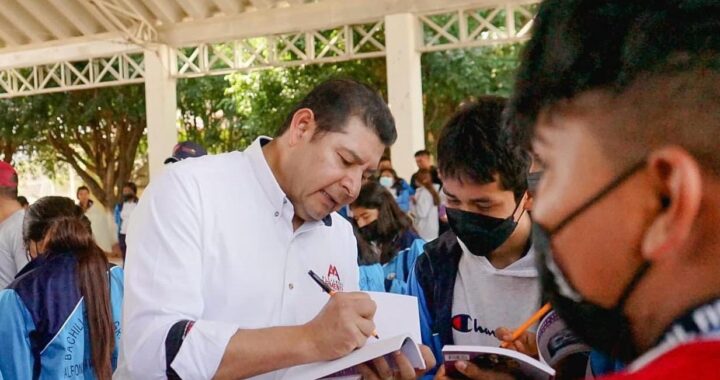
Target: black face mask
(605,329)
(370,232)
(480,233)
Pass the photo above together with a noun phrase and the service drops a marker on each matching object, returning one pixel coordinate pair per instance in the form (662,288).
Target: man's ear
(302,126)
(677,181)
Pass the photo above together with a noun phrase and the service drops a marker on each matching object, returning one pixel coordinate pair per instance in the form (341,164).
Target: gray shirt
(486,298)
(13,255)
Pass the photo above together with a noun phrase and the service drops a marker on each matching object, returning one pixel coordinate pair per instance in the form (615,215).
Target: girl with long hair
(425,208)
(390,233)
(60,317)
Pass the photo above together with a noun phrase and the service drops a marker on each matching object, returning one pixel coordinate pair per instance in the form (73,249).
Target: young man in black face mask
(626,120)
(481,274)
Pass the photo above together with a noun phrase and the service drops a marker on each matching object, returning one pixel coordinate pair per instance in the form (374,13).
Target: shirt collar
(264,175)
(701,323)
(269,184)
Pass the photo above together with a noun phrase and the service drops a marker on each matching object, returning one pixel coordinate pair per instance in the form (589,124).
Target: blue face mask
(386,182)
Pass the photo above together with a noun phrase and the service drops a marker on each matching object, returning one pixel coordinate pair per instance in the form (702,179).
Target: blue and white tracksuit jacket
(43,330)
(393,276)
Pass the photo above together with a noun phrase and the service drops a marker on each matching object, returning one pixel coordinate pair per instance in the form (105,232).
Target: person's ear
(677,181)
(302,126)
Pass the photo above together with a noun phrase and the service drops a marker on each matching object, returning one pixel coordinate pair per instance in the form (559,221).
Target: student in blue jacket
(389,232)
(478,280)
(60,317)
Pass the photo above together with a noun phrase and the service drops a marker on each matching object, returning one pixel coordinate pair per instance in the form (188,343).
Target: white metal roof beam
(166,12)
(25,22)
(82,50)
(97,15)
(228,7)
(9,34)
(49,17)
(319,15)
(197,9)
(82,20)
(138,7)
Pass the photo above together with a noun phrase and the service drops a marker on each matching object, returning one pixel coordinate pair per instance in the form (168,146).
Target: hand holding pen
(327,289)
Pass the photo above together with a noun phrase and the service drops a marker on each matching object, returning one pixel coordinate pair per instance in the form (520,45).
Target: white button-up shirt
(212,241)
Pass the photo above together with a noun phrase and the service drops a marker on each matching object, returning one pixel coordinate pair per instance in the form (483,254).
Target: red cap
(8,176)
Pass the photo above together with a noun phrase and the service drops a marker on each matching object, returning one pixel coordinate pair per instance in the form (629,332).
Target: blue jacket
(403,191)
(393,276)
(372,278)
(43,333)
(433,283)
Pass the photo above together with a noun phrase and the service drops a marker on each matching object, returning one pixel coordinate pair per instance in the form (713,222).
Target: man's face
(83,196)
(598,250)
(488,199)
(327,171)
(127,191)
(423,161)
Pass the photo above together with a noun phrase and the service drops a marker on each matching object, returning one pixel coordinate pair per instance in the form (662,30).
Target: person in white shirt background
(13,255)
(424,209)
(220,246)
(123,210)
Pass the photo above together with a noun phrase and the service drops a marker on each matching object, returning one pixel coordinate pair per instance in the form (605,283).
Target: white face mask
(386,182)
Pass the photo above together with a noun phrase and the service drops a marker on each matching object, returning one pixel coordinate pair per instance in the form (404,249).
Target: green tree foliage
(454,76)
(97,132)
(264,98)
(15,127)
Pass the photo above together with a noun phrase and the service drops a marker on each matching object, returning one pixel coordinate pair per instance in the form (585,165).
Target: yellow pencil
(520,330)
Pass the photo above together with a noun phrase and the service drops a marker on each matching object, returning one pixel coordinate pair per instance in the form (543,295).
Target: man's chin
(316,215)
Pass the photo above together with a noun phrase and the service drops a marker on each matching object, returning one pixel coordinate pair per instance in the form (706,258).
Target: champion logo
(333,279)
(465,323)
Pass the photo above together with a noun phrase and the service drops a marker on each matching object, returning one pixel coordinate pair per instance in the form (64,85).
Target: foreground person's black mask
(605,329)
(480,233)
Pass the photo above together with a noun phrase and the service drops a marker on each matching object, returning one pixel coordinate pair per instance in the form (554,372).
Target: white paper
(396,314)
(397,323)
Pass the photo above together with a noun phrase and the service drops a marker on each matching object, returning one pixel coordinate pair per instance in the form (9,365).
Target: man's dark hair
(335,101)
(473,146)
(10,192)
(22,200)
(580,45)
(422,152)
(132,186)
(83,187)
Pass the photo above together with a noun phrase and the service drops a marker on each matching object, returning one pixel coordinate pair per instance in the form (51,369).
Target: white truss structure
(318,46)
(461,28)
(471,27)
(66,75)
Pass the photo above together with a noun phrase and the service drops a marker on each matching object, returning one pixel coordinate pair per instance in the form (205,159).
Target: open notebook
(398,326)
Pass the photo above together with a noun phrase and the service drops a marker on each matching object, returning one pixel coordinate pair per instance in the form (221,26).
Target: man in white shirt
(220,247)
(13,255)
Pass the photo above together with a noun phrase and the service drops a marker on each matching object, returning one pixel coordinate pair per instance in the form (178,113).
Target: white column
(160,106)
(402,39)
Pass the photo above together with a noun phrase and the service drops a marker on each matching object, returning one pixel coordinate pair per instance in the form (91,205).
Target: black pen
(327,289)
